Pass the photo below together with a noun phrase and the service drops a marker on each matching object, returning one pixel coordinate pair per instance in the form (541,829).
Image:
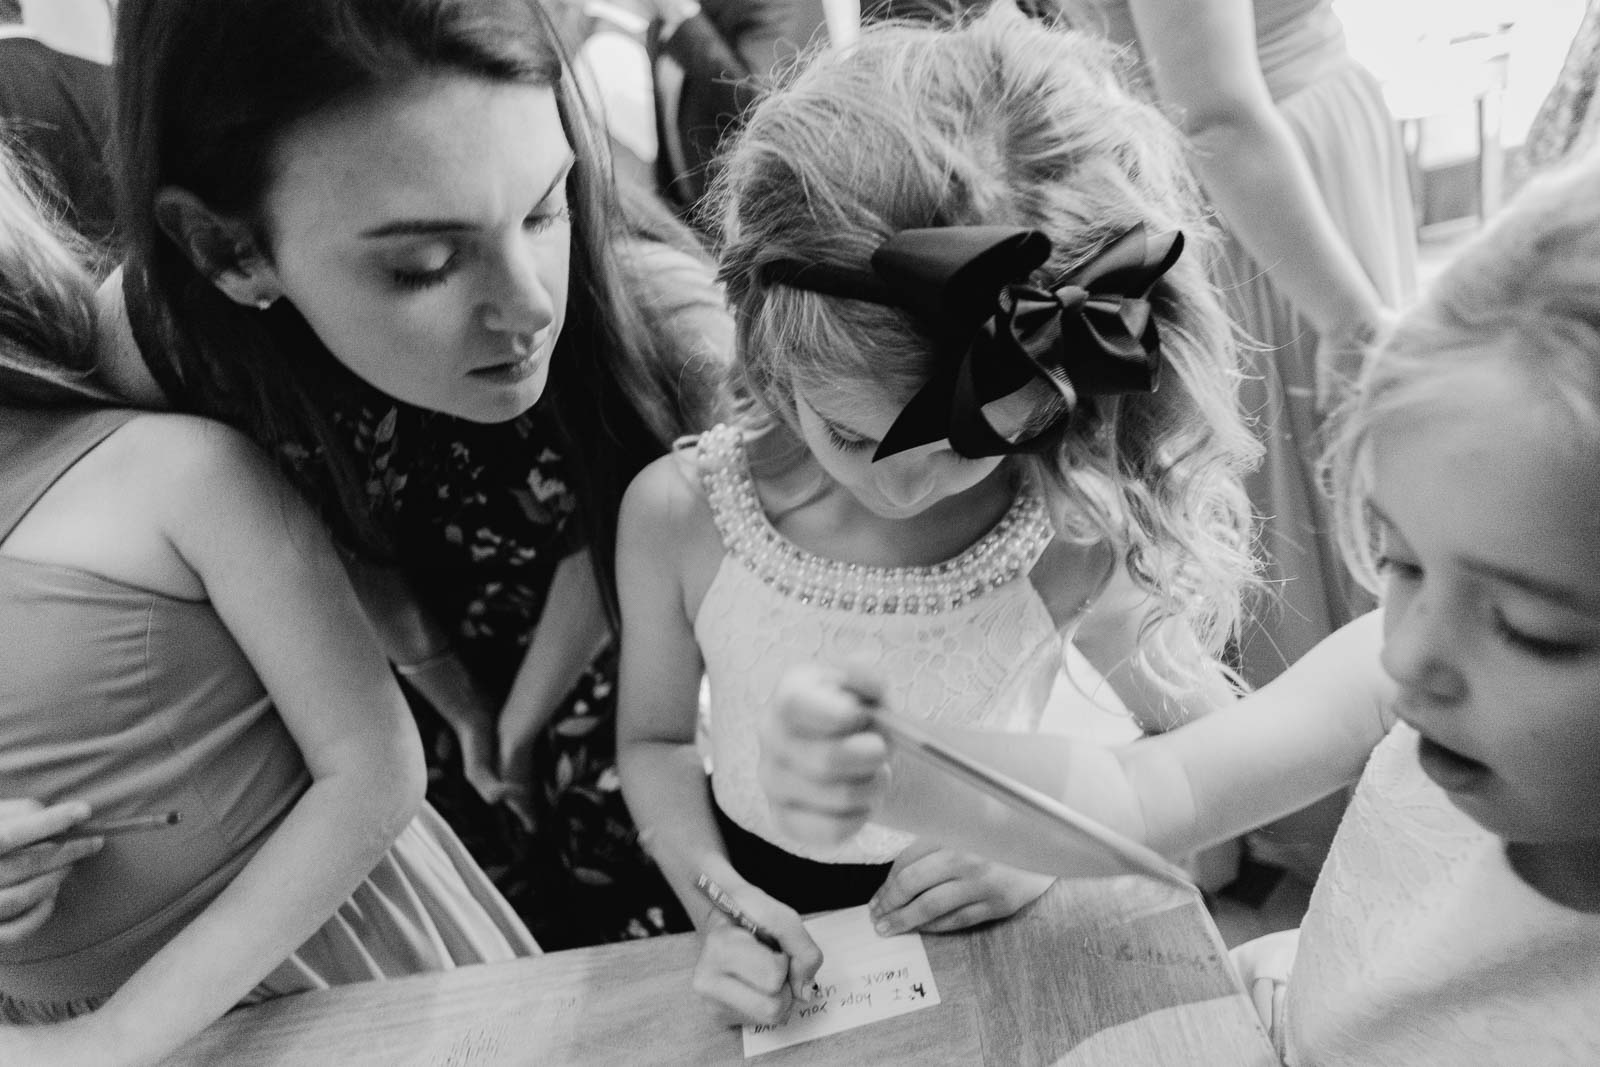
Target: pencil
(1014,794)
(132,825)
(723,903)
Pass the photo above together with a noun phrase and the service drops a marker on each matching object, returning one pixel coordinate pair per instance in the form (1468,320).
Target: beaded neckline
(1007,551)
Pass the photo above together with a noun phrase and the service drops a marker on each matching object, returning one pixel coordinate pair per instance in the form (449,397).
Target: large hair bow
(1091,335)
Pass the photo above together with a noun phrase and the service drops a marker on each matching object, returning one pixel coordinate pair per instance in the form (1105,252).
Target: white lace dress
(1422,947)
(967,641)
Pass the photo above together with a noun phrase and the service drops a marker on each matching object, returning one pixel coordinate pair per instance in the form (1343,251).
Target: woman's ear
(221,247)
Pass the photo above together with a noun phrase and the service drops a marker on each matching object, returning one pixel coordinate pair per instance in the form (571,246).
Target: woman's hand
(451,691)
(937,890)
(33,865)
(745,980)
(823,767)
(420,650)
(518,734)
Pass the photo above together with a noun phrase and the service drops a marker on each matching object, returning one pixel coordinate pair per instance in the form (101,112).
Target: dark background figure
(56,108)
(721,53)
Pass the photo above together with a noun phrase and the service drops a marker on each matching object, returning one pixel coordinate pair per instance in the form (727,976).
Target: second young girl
(183,649)
(992,409)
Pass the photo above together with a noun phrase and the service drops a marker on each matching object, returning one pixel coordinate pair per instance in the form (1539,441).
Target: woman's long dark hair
(205,88)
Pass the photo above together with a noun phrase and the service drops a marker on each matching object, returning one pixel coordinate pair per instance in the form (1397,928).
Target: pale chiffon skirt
(425,907)
(1354,151)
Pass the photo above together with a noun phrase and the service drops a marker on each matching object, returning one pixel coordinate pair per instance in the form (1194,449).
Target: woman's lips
(509,373)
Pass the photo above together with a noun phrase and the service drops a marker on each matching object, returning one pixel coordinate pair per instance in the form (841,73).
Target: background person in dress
(55,109)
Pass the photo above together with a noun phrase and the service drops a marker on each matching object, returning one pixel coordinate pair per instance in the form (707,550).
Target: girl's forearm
(664,783)
(329,841)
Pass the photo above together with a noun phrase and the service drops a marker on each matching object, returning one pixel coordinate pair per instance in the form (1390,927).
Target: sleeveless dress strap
(38,446)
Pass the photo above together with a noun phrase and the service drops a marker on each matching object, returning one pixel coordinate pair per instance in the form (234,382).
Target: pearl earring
(264,302)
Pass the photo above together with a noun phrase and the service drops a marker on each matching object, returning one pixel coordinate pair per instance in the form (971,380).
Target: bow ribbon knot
(1094,334)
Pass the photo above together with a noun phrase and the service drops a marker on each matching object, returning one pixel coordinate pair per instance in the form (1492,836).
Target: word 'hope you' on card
(864,978)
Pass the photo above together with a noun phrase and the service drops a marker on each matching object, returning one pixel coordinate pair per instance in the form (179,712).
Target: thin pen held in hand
(111,827)
(722,902)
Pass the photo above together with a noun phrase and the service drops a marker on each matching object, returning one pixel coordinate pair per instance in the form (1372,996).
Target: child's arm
(665,535)
(269,570)
(826,771)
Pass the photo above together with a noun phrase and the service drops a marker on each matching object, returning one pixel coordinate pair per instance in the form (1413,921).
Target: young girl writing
(1457,919)
(181,638)
(992,407)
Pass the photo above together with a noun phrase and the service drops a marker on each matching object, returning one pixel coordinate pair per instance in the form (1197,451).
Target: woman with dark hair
(372,235)
(185,659)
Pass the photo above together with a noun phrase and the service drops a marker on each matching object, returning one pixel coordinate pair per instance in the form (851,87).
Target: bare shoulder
(667,492)
(667,529)
(131,509)
(194,462)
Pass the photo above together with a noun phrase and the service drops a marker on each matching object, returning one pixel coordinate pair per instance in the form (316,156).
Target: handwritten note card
(864,978)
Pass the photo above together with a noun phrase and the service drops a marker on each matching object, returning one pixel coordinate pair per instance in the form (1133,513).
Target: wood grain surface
(1113,972)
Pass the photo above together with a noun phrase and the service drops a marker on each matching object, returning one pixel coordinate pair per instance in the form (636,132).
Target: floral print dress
(480,516)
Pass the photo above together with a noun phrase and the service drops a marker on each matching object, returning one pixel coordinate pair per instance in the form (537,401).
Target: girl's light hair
(47,321)
(1525,290)
(1000,120)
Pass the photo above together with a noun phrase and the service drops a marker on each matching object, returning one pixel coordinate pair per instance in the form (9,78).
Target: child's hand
(1264,966)
(937,890)
(32,866)
(745,980)
(823,767)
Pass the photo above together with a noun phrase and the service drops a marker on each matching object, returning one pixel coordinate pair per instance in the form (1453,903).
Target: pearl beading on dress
(1005,553)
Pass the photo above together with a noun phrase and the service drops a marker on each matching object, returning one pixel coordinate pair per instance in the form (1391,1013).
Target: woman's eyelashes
(544,219)
(436,268)
(426,271)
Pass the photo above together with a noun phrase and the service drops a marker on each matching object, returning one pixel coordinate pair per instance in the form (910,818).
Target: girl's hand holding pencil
(756,959)
(35,858)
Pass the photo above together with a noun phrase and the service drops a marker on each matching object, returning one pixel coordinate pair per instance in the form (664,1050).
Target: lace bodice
(1422,947)
(965,641)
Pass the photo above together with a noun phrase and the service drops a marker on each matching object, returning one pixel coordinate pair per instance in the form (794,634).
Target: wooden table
(1116,972)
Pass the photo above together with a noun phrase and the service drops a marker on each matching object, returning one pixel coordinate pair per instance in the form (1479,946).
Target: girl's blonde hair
(1000,120)
(47,322)
(1526,290)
